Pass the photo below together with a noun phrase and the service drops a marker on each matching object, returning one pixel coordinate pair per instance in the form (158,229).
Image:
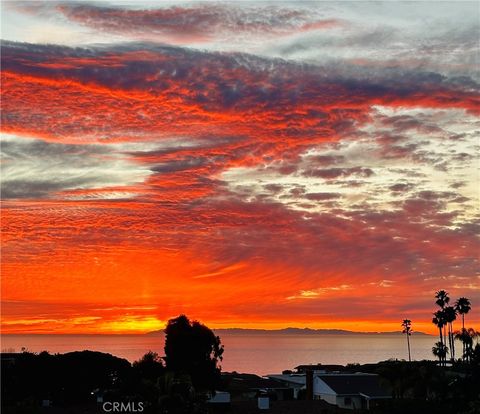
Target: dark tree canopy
(149,367)
(64,378)
(192,348)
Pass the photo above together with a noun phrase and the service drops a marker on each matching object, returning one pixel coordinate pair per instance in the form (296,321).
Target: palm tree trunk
(450,340)
(441,342)
(408,343)
(453,341)
(445,339)
(463,330)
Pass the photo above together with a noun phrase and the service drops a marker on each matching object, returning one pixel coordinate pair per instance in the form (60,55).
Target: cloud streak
(185,24)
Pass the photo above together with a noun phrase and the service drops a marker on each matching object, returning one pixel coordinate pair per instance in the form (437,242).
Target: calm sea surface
(260,353)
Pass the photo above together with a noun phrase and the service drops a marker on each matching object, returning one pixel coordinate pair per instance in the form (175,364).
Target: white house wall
(321,387)
(322,391)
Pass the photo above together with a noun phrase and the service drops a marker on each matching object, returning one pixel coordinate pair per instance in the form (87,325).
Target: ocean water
(258,353)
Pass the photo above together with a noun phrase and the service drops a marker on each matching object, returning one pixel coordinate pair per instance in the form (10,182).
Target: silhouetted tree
(450,316)
(441,318)
(149,367)
(475,356)
(416,379)
(440,350)
(440,321)
(467,336)
(442,298)
(192,348)
(463,306)
(407,330)
(64,378)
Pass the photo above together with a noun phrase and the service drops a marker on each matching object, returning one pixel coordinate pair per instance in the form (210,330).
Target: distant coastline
(230,331)
(294,331)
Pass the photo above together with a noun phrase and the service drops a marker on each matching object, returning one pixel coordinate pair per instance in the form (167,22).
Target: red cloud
(65,94)
(235,110)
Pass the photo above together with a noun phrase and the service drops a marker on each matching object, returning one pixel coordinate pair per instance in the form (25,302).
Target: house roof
(319,367)
(291,379)
(250,382)
(353,384)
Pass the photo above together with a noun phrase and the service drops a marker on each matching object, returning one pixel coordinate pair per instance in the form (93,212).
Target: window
(348,401)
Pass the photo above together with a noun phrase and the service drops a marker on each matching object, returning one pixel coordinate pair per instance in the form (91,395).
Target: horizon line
(158,331)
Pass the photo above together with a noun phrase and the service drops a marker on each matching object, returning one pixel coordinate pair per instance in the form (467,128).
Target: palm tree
(440,351)
(464,338)
(467,336)
(442,298)
(407,329)
(440,321)
(450,316)
(463,306)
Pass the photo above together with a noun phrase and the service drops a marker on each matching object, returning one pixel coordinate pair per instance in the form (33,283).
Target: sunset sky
(249,164)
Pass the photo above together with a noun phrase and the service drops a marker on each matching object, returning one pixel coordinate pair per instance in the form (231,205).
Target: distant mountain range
(294,331)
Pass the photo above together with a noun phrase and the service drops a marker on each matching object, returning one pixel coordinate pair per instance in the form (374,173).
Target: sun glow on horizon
(142,324)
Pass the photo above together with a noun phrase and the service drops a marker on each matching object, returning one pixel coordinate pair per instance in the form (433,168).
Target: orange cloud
(182,240)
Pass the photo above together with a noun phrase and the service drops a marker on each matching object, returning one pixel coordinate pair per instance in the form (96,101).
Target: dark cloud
(325,160)
(297,191)
(401,187)
(234,81)
(274,188)
(430,195)
(189,163)
(331,173)
(322,196)
(35,189)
